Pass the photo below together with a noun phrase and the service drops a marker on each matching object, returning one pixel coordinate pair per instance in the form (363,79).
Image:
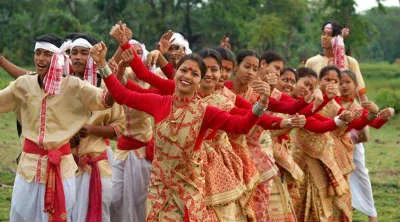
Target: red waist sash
(54,198)
(94,212)
(127,143)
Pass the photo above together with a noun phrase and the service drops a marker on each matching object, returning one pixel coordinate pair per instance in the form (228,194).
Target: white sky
(367,4)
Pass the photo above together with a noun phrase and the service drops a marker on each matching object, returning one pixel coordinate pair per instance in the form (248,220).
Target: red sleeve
(307,111)
(377,123)
(319,124)
(242,103)
(269,122)
(169,71)
(215,119)
(288,106)
(165,86)
(155,105)
(361,122)
(238,111)
(135,87)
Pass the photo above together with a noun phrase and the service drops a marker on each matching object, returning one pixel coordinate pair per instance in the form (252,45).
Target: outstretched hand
(164,44)
(152,58)
(346,116)
(98,53)
(386,114)
(370,106)
(127,56)
(121,33)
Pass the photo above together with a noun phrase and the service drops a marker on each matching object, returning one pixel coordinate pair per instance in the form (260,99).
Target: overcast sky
(367,4)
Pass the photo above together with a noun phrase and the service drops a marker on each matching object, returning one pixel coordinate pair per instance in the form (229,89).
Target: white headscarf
(178,39)
(142,45)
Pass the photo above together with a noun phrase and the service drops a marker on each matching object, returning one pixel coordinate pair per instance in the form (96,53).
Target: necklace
(176,118)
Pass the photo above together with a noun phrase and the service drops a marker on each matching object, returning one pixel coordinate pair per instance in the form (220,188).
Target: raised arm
(165,86)
(149,103)
(12,69)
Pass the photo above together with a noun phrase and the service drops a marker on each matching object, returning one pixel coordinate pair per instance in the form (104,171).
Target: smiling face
(247,70)
(286,82)
(274,66)
(42,59)
(187,78)
(305,86)
(79,56)
(213,74)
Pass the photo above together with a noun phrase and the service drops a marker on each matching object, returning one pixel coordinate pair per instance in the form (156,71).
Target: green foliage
(384,42)
(290,27)
(382,70)
(388,98)
(265,32)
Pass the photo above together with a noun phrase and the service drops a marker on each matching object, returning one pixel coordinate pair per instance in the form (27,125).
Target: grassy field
(382,155)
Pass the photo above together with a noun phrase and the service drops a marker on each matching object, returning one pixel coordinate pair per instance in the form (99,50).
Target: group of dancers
(207,136)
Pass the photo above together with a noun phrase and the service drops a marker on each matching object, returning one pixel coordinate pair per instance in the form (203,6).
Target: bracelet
(257,110)
(339,122)
(105,71)
(289,122)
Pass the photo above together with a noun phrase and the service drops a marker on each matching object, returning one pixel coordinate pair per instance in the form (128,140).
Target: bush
(380,70)
(388,98)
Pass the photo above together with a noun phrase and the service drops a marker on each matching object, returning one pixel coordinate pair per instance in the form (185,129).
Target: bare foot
(372,219)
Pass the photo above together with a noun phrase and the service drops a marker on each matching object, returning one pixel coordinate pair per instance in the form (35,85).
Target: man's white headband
(47,46)
(81,42)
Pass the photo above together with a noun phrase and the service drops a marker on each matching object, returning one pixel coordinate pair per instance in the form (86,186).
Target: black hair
(226,54)
(50,38)
(207,52)
(71,36)
(89,38)
(351,75)
(271,56)
(324,71)
(303,72)
(290,69)
(336,27)
(196,58)
(243,54)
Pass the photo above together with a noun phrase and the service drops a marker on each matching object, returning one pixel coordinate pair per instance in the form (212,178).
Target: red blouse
(160,106)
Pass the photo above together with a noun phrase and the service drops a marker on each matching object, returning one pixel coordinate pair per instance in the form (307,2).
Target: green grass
(382,155)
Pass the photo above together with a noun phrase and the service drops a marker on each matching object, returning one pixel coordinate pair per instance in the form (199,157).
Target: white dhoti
(80,208)
(130,179)
(27,203)
(360,184)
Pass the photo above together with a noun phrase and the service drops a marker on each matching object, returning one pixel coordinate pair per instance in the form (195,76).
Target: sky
(367,4)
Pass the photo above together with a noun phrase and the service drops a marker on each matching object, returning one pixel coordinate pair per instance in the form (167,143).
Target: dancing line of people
(207,136)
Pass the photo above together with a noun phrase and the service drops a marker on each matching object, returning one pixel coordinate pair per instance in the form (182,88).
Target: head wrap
(52,79)
(86,41)
(178,39)
(142,45)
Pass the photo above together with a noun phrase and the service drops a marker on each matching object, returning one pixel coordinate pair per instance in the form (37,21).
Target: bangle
(257,110)
(289,122)
(105,71)
(339,122)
